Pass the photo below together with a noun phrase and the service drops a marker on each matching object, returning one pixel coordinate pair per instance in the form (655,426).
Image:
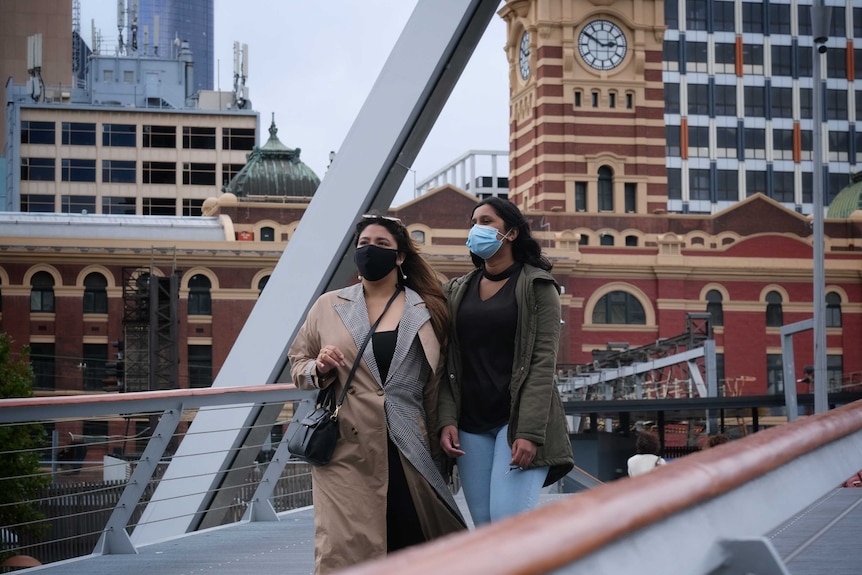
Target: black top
(486,337)
(383,344)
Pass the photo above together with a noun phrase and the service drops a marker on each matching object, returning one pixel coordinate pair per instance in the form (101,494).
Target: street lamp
(820,19)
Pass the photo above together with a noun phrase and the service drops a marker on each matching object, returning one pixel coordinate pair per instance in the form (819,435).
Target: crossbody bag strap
(361,351)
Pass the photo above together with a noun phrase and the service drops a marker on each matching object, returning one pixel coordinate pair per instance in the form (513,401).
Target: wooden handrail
(558,534)
(20,409)
(17,402)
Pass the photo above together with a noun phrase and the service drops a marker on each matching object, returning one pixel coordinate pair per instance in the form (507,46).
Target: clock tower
(586,124)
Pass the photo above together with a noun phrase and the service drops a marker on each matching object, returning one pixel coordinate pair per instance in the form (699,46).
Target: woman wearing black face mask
(384,488)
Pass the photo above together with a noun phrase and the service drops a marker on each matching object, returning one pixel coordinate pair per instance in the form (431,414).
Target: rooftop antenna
(121,23)
(146,38)
(240,74)
(133,25)
(76,39)
(34,67)
(95,38)
(156,35)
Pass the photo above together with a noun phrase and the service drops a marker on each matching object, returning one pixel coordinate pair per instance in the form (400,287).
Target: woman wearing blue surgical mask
(384,488)
(500,416)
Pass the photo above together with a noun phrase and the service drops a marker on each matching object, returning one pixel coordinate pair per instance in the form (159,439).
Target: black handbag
(313,432)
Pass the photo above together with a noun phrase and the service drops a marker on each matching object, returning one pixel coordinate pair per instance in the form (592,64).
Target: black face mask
(375,263)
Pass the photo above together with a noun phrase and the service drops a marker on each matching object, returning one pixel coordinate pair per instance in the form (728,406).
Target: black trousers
(402,522)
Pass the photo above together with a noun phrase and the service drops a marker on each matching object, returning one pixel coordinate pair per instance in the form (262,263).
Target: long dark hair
(525,248)
(420,277)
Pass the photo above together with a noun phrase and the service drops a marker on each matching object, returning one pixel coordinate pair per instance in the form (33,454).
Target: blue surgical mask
(482,241)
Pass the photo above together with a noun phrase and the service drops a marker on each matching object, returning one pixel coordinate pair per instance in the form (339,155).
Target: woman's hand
(523,453)
(328,359)
(449,441)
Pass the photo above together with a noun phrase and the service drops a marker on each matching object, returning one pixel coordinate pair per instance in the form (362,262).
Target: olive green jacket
(536,411)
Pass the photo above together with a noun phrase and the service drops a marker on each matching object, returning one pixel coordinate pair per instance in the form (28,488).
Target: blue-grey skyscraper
(190,20)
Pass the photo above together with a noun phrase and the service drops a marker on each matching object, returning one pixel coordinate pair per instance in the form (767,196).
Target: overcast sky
(312,63)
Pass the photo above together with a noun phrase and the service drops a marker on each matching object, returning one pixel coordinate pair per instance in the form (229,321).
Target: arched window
(606,240)
(713,306)
(267,234)
(262,284)
(200,300)
(584,240)
(774,314)
(418,236)
(833,309)
(42,293)
(632,241)
(619,307)
(95,293)
(606,189)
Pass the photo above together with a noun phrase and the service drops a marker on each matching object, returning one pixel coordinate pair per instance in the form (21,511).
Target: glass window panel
(238,138)
(755,183)
(836,104)
(695,14)
(698,99)
(77,170)
(200,366)
(199,138)
(727,186)
(118,171)
(159,172)
(674,184)
(42,359)
(37,203)
(200,302)
(782,102)
(606,189)
(782,60)
(725,100)
(38,132)
(698,184)
(160,136)
(671,99)
(779,18)
(79,134)
(783,184)
(37,169)
(723,16)
(833,310)
(755,101)
(119,135)
(95,293)
(198,174)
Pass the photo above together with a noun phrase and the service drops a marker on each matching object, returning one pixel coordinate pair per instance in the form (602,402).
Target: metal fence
(76,513)
(78,486)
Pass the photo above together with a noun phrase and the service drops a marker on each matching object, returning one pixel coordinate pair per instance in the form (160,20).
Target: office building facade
(684,106)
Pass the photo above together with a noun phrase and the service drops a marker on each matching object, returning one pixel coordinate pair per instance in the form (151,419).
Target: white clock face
(602,45)
(524,56)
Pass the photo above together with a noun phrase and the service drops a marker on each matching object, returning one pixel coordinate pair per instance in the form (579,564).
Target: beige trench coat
(350,492)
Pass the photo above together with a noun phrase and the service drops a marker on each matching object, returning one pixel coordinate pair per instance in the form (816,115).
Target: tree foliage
(20,479)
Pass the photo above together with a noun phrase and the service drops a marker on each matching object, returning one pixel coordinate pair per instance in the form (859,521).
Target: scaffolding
(150,330)
(667,368)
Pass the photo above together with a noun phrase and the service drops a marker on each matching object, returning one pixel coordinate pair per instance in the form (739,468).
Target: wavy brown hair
(420,277)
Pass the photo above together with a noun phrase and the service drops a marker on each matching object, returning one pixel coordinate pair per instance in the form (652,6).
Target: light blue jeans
(493,491)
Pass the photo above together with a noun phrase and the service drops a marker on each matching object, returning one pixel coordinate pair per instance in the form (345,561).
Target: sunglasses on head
(379,217)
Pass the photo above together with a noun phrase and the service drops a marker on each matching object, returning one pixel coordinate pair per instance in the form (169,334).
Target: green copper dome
(848,200)
(274,170)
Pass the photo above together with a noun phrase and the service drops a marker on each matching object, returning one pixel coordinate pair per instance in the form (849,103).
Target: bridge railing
(93,484)
(704,513)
